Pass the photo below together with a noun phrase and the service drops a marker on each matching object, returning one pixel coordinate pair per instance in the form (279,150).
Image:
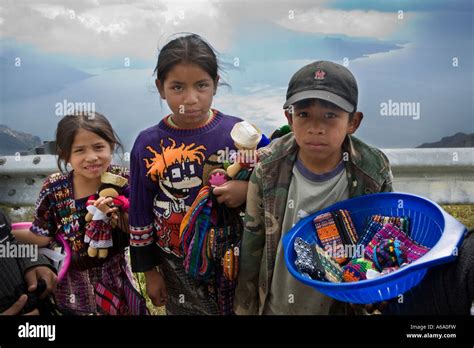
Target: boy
(318,164)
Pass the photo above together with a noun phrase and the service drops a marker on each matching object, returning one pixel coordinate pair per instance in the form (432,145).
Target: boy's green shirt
(368,171)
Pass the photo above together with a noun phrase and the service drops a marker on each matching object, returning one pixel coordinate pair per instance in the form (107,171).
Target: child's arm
(25,236)
(233,193)
(144,254)
(143,249)
(253,243)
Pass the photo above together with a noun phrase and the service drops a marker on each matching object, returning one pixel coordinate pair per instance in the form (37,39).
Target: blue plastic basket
(430,225)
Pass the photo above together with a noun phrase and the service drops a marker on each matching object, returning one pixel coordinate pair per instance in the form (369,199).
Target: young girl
(86,143)
(169,164)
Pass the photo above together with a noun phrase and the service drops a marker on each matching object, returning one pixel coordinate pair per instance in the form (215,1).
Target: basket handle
(445,250)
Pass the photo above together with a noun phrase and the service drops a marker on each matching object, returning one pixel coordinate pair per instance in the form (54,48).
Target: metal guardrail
(443,175)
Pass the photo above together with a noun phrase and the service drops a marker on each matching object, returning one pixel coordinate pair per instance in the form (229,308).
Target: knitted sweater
(168,167)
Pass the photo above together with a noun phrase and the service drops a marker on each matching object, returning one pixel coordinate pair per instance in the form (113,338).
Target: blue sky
(76,52)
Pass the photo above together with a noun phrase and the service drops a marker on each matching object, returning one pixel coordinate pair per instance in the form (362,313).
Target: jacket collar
(348,146)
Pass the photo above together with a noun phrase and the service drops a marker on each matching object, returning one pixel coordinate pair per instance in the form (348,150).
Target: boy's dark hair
(191,49)
(70,124)
(302,104)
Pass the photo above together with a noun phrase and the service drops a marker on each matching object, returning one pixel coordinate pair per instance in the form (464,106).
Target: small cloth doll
(99,227)
(246,137)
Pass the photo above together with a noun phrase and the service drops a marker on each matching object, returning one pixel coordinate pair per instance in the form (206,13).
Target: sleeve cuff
(25,263)
(144,258)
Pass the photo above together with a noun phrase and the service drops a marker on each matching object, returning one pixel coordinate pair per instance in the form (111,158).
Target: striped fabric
(356,269)
(328,233)
(347,227)
(334,230)
(376,222)
(108,301)
(402,222)
(412,249)
(225,295)
(135,301)
(141,236)
(371,228)
(210,238)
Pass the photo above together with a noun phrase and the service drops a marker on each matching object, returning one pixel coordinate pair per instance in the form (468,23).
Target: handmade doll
(99,225)
(246,138)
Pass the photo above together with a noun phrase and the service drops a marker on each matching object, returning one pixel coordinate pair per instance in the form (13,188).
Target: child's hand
(34,274)
(16,308)
(103,204)
(233,193)
(156,288)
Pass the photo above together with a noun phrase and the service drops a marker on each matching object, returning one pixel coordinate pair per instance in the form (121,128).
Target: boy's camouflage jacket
(368,171)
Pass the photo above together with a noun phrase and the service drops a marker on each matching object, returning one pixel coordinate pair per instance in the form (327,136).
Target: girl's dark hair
(191,49)
(68,128)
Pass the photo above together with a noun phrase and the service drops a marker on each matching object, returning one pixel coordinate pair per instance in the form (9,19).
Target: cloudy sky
(104,52)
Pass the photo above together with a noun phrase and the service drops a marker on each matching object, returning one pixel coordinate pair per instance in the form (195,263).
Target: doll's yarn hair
(107,186)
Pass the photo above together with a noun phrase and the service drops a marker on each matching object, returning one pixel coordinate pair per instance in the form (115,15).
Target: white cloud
(111,28)
(51,11)
(354,23)
(106,28)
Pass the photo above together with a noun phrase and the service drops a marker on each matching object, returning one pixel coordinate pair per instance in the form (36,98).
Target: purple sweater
(167,167)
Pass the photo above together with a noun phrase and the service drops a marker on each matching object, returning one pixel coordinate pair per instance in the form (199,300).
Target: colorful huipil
(58,212)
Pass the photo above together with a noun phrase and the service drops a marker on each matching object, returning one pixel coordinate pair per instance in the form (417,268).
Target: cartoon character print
(175,169)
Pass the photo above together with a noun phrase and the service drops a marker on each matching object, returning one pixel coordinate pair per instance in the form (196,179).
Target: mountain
(28,74)
(12,141)
(456,140)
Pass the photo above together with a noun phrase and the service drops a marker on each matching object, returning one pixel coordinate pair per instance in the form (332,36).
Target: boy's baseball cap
(324,80)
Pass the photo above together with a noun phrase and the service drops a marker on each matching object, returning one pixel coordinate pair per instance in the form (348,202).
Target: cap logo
(319,75)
